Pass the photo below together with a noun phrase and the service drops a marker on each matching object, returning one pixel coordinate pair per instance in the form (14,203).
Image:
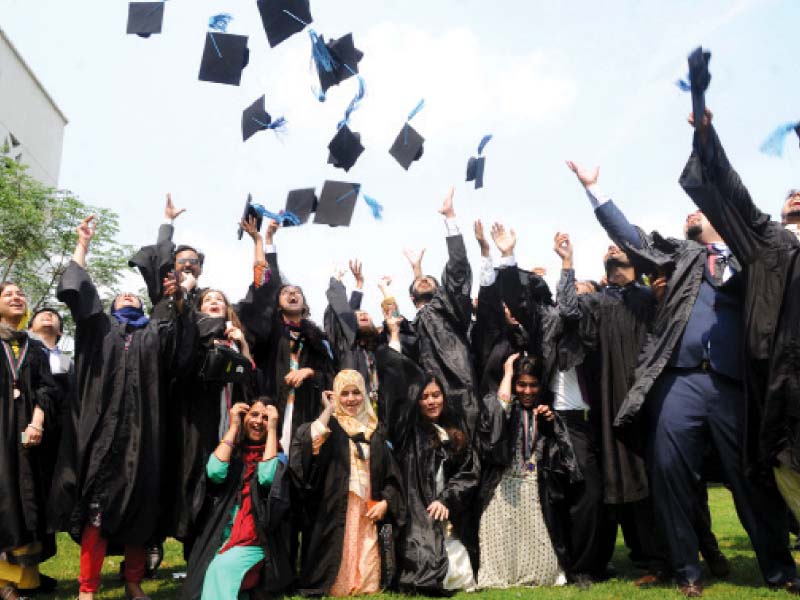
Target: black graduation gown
(270,510)
(195,416)
(117,457)
(556,466)
(422,558)
(327,476)
(613,327)
(441,327)
(770,259)
(22,485)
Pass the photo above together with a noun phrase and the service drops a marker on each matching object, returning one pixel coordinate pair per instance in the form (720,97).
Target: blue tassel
(278,124)
(355,101)
(320,53)
(259,208)
(685,84)
(485,140)
(377,209)
(773,145)
(220,22)
(417,108)
(289,216)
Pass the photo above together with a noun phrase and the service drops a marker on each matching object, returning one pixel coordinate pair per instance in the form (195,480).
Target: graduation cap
(250,211)
(255,118)
(225,55)
(407,146)
(345,58)
(774,144)
(475,165)
(345,148)
(301,203)
(337,201)
(145,18)
(699,78)
(283,18)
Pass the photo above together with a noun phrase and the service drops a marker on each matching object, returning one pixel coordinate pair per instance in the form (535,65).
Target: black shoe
(718,564)
(581,581)
(791,586)
(153,556)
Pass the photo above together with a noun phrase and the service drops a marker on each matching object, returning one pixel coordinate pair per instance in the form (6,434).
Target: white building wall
(30,121)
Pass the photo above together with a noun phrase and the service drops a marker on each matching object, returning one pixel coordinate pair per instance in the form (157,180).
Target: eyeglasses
(188,261)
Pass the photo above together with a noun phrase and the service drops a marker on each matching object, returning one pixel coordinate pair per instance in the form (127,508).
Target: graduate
(107,487)
(343,459)
(28,399)
(440,471)
(245,543)
(527,465)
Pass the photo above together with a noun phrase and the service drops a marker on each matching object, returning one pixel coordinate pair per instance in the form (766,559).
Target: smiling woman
(27,396)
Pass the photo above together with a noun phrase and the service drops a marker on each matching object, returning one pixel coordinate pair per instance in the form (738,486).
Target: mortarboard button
(337,201)
(301,203)
(407,146)
(225,56)
(345,60)
(345,148)
(283,18)
(145,18)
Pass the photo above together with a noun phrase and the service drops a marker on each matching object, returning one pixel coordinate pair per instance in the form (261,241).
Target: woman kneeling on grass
(343,459)
(528,463)
(244,546)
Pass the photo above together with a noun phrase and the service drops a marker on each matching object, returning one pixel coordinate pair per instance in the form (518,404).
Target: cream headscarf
(363,422)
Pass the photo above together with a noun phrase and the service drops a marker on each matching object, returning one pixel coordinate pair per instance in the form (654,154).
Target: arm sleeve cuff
(508,261)
(266,471)
(596,197)
(396,346)
(270,249)
(452,227)
(216,470)
(488,274)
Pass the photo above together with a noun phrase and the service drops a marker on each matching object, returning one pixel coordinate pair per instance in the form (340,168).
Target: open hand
(438,511)
(170,212)
(504,239)
(250,226)
(358,274)
(447,205)
(587,177)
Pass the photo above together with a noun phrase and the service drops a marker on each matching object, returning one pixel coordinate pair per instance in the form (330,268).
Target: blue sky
(590,81)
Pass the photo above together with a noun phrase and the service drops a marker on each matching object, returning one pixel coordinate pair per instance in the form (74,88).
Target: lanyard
(528,441)
(15,364)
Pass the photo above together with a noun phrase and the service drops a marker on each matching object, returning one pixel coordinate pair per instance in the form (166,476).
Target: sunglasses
(188,261)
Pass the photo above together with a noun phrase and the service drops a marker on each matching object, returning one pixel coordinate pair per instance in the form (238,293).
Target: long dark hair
(448,420)
(529,365)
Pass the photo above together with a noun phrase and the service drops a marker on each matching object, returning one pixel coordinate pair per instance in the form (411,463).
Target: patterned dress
(515,546)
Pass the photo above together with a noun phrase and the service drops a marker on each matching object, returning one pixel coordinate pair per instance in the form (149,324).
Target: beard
(792,214)
(693,232)
(367,334)
(616,263)
(424,297)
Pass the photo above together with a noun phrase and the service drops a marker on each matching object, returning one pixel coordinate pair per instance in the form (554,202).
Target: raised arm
(340,318)
(171,213)
(357,295)
(566,294)
(75,287)
(457,275)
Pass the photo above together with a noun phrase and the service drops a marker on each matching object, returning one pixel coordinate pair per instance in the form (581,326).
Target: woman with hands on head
(344,460)
(244,544)
(527,463)
(28,399)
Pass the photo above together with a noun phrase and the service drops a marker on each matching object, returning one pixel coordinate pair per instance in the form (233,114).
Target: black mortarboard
(475,170)
(345,148)
(344,54)
(407,146)
(250,211)
(301,203)
(699,78)
(278,24)
(145,18)
(797,130)
(224,57)
(255,118)
(337,201)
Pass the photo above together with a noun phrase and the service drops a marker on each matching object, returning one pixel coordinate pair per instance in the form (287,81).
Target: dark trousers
(684,407)
(586,511)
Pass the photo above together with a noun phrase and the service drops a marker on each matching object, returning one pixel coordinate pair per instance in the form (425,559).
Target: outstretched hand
(505,240)
(563,247)
(447,206)
(170,212)
(481,238)
(415,259)
(508,366)
(250,226)
(705,123)
(356,270)
(269,231)
(86,230)
(587,177)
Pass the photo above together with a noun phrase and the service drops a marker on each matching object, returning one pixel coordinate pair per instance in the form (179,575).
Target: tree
(37,236)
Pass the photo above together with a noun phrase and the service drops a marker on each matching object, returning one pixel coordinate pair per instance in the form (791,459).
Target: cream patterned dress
(515,546)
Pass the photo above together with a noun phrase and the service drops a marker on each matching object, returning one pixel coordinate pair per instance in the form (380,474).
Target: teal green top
(217,470)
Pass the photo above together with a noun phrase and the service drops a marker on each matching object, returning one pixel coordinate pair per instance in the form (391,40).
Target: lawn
(744,581)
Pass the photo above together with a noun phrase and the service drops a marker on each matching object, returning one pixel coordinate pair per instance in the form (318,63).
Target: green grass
(744,581)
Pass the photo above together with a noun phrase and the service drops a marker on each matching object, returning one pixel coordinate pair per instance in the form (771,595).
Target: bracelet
(36,427)
(228,444)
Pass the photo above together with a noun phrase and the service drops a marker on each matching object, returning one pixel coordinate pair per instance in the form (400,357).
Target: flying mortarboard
(302,203)
(699,78)
(407,147)
(225,55)
(250,211)
(345,148)
(255,118)
(476,165)
(283,18)
(344,64)
(774,144)
(337,201)
(145,18)
(258,212)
